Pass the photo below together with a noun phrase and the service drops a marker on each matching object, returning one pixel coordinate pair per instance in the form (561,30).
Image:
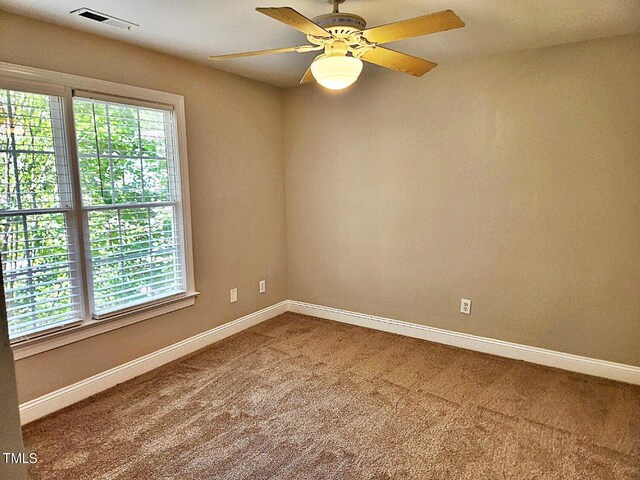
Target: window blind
(131,203)
(37,225)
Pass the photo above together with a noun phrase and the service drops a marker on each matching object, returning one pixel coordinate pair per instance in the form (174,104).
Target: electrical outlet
(465,306)
(263,286)
(233,293)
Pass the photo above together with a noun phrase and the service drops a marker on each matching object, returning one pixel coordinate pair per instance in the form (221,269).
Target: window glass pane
(125,152)
(38,262)
(30,139)
(40,275)
(127,157)
(134,255)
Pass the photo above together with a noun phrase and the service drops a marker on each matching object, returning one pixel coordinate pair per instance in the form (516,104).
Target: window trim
(36,80)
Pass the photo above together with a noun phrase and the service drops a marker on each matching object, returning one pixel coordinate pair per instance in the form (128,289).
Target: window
(93,221)
(130,200)
(38,254)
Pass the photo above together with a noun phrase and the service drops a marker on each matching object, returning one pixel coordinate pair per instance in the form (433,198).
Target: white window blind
(131,203)
(38,237)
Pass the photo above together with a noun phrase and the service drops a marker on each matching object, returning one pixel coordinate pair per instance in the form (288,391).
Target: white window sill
(90,328)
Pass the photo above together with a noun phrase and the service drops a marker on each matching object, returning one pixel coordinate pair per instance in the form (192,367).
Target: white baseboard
(541,356)
(46,404)
(58,399)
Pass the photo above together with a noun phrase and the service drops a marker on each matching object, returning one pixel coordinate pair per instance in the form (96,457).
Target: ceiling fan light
(336,72)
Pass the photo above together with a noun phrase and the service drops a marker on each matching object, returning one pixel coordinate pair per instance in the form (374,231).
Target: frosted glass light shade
(336,72)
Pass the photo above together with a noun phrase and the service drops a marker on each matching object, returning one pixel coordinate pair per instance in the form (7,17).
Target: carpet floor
(297,397)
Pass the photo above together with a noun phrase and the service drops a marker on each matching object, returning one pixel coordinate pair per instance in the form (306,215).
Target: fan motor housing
(341,23)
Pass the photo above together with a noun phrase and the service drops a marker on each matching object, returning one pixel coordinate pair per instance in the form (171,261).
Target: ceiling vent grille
(103,18)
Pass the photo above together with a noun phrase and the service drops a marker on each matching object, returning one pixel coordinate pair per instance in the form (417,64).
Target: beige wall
(235,146)
(513,181)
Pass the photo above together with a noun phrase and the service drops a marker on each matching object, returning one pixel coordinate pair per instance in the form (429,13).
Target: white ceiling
(194,29)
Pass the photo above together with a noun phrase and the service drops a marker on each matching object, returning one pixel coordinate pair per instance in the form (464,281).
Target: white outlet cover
(263,286)
(465,306)
(233,294)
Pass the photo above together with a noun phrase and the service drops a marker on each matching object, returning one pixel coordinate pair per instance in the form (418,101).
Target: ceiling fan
(345,42)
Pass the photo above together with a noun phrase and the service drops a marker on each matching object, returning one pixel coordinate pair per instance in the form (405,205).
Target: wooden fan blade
(257,52)
(398,61)
(432,23)
(308,76)
(289,16)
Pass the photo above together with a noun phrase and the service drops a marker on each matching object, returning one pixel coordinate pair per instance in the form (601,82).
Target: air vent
(103,18)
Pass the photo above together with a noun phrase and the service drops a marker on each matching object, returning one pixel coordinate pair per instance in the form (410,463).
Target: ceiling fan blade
(308,76)
(398,61)
(289,16)
(257,52)
(414,27)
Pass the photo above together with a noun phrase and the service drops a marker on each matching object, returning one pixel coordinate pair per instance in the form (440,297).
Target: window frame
(34,80)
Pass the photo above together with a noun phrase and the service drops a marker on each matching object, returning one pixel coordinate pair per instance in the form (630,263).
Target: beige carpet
(301,398)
